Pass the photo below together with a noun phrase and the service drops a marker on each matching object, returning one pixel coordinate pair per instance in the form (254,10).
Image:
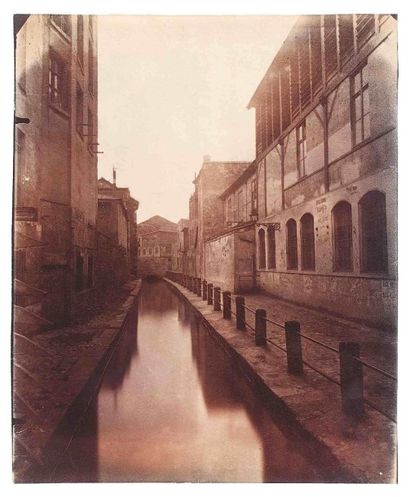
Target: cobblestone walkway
(377,347)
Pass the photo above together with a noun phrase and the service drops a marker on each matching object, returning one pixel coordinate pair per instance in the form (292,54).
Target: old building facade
(116,240)
(206,209)
(325,173)
(157,247)
(56,158)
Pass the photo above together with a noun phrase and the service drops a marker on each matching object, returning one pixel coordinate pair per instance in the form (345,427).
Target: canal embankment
(55,376)
(363,446)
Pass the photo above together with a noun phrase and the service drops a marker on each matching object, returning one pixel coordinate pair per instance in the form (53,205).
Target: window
(90,67)
(58,82)
(301,148)
(156,251)
(241,206)
(307,235)
(346,37)
(330,42)
(79,110)
(285,97)
(373,232)
(63,22)
(144,251)
(291,244)
(262,252)
(365,26)
(79,273)
(342,236)
(229,213)
(305,79)
(316,53)
(90,274)
(259,128)
(254,198)
(360,106)
(294,85)
(271,248)
(80,39)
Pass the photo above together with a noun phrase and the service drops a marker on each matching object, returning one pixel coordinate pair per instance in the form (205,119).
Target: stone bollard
(210,293)
(351,379)
(217,298)
(226,302)
(240,313)
(260,327)
(293,347)
(204,290)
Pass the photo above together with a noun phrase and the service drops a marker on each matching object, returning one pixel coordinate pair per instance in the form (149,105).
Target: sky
(173,89)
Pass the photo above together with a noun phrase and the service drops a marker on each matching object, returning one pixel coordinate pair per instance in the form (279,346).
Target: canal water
(173,407)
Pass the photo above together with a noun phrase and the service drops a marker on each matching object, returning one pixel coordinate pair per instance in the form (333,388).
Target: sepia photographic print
(205,248)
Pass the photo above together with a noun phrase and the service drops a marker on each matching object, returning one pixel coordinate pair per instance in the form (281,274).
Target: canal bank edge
(361,451)
(47,437)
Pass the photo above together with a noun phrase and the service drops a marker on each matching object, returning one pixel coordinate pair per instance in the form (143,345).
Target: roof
(279,55)
(157,223)
(106,189)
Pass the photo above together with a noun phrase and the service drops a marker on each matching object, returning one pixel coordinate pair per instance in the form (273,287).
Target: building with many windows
(56,159)
(157,247)
(325,173)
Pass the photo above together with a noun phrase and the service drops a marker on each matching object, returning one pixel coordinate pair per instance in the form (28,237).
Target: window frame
(364,256)
(292,265)
(59,74)
(354,96)
(301,141)
(307,243)
(337,267)
(261,253)
(56,22)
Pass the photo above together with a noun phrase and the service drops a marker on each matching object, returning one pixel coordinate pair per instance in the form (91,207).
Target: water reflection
(173,408)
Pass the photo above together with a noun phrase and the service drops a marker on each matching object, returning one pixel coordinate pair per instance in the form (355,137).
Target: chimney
(207,158)
(114,176)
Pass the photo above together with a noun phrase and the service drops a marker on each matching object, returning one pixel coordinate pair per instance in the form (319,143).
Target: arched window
(271,248)
(307,235)
(291,244)
(342,236)
(373,232)
(262,253)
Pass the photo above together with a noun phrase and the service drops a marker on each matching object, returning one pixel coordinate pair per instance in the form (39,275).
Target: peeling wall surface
(229,260)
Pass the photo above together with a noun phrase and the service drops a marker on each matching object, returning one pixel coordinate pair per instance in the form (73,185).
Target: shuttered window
(307,235)
(342,236)
(291,244)
(373,232)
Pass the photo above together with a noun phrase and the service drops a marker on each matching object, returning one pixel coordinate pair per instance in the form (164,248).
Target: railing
(350,364)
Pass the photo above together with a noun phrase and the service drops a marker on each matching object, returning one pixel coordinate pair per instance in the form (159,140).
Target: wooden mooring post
(226,303)
(294,347)
(260,327)
(240,312)
(351,378)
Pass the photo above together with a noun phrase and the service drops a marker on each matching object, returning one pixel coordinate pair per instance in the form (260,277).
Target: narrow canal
(173,407)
